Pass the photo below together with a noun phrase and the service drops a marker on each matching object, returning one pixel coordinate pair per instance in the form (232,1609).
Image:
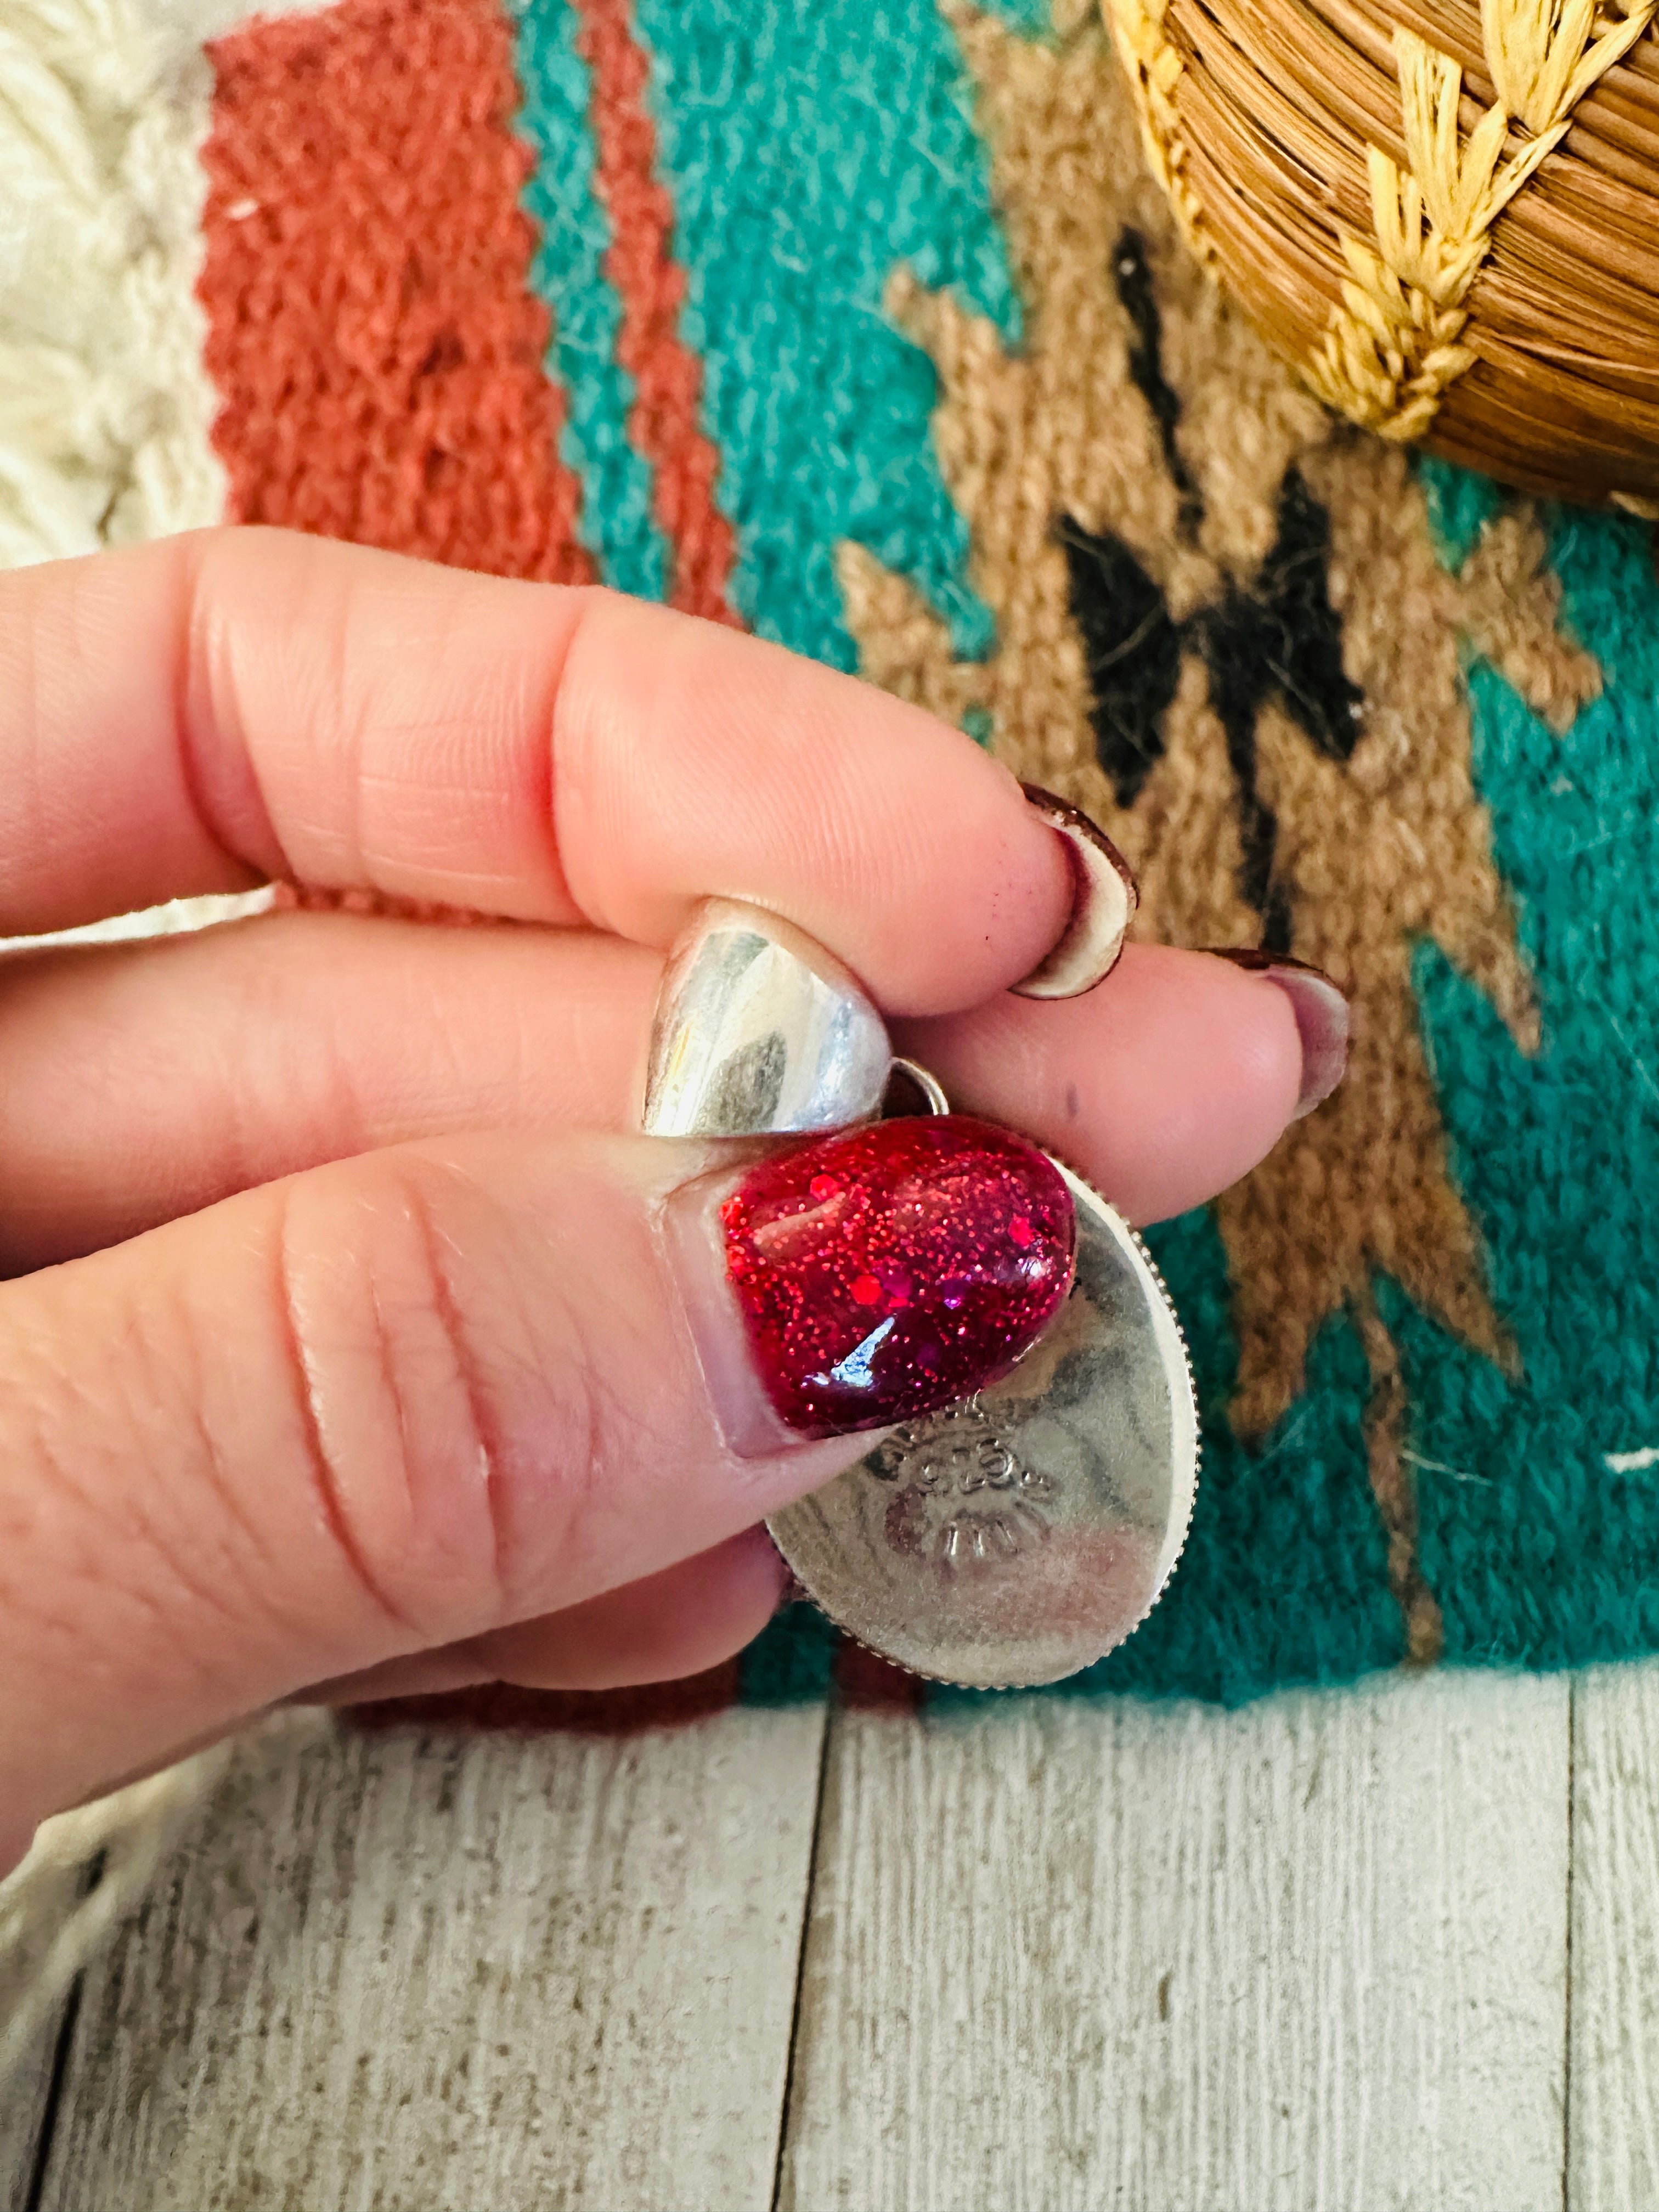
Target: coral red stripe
(663,423)
(373,336)
(870,1684)
(500,1708)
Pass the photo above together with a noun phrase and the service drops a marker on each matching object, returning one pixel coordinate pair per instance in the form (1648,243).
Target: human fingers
(683,1620)
(216,709)
(146,1082)
(689,1617)
(417,1397)
(1162,1087)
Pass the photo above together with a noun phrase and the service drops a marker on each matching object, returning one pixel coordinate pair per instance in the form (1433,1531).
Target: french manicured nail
(1103,902)
(873,1276)
(1322,1018)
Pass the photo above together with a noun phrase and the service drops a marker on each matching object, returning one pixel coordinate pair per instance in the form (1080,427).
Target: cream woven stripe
(104,407)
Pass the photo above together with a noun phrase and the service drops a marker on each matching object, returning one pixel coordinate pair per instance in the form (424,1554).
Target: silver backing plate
(1022,1534)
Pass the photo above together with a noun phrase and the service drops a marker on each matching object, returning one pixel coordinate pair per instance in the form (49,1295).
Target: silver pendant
(1022,1533)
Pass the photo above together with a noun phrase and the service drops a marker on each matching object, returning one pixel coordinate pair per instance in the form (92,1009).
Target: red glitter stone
(891,1269)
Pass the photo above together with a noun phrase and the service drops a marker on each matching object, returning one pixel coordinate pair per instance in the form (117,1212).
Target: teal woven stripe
(808,150)
(1460,506)
(1034,18)
(618,523)
(1539,1511)
(791,1662)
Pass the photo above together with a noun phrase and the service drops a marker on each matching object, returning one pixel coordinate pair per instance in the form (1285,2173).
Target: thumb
(431,1391)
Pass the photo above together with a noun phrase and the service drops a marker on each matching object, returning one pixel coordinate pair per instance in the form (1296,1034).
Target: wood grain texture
(406,1972)
(1613,2130)
(23,2097)
(1311,1956)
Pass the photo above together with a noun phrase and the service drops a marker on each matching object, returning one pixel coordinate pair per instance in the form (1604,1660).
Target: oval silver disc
(1020,1534)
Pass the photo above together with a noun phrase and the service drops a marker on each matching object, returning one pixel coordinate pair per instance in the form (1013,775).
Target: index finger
(216,710)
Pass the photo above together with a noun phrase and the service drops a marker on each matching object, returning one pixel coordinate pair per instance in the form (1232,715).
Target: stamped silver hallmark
(1022,1533)
(963,1498)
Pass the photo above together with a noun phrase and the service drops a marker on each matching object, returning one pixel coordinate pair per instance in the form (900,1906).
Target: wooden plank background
(1080,1956)
(490,1971)
(1613,2110)
(25,2114)
(1385,1949)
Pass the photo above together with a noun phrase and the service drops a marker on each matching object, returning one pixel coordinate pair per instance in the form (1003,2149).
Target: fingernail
(757,1030)
(1323,1019)
(872,1276)
(1103,902)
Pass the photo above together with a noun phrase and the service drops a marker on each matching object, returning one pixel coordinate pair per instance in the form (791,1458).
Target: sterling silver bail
(759,1031)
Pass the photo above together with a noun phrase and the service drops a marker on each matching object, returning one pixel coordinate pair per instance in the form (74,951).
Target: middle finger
(145,1081)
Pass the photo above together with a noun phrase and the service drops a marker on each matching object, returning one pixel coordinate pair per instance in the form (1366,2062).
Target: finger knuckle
(398,1387)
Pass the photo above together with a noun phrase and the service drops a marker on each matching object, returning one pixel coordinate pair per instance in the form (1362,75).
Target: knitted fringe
(103,419)
(104,409)
(123,1837)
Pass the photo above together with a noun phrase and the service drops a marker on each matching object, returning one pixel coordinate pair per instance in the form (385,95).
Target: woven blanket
(861,324)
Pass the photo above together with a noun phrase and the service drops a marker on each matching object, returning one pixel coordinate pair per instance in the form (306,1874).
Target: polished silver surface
(1021,1534)
(758,1029)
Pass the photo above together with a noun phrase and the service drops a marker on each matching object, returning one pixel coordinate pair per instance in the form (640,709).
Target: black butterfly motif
(1279,638)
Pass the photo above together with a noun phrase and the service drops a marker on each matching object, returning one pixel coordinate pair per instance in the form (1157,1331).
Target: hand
(342,1344)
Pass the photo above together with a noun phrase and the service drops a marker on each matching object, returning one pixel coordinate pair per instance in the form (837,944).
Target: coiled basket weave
(1446,217)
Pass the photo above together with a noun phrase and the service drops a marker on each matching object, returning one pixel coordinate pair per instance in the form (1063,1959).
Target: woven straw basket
(1445,215)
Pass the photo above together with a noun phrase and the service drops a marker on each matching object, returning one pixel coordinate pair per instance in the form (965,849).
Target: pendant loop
(927,1086)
